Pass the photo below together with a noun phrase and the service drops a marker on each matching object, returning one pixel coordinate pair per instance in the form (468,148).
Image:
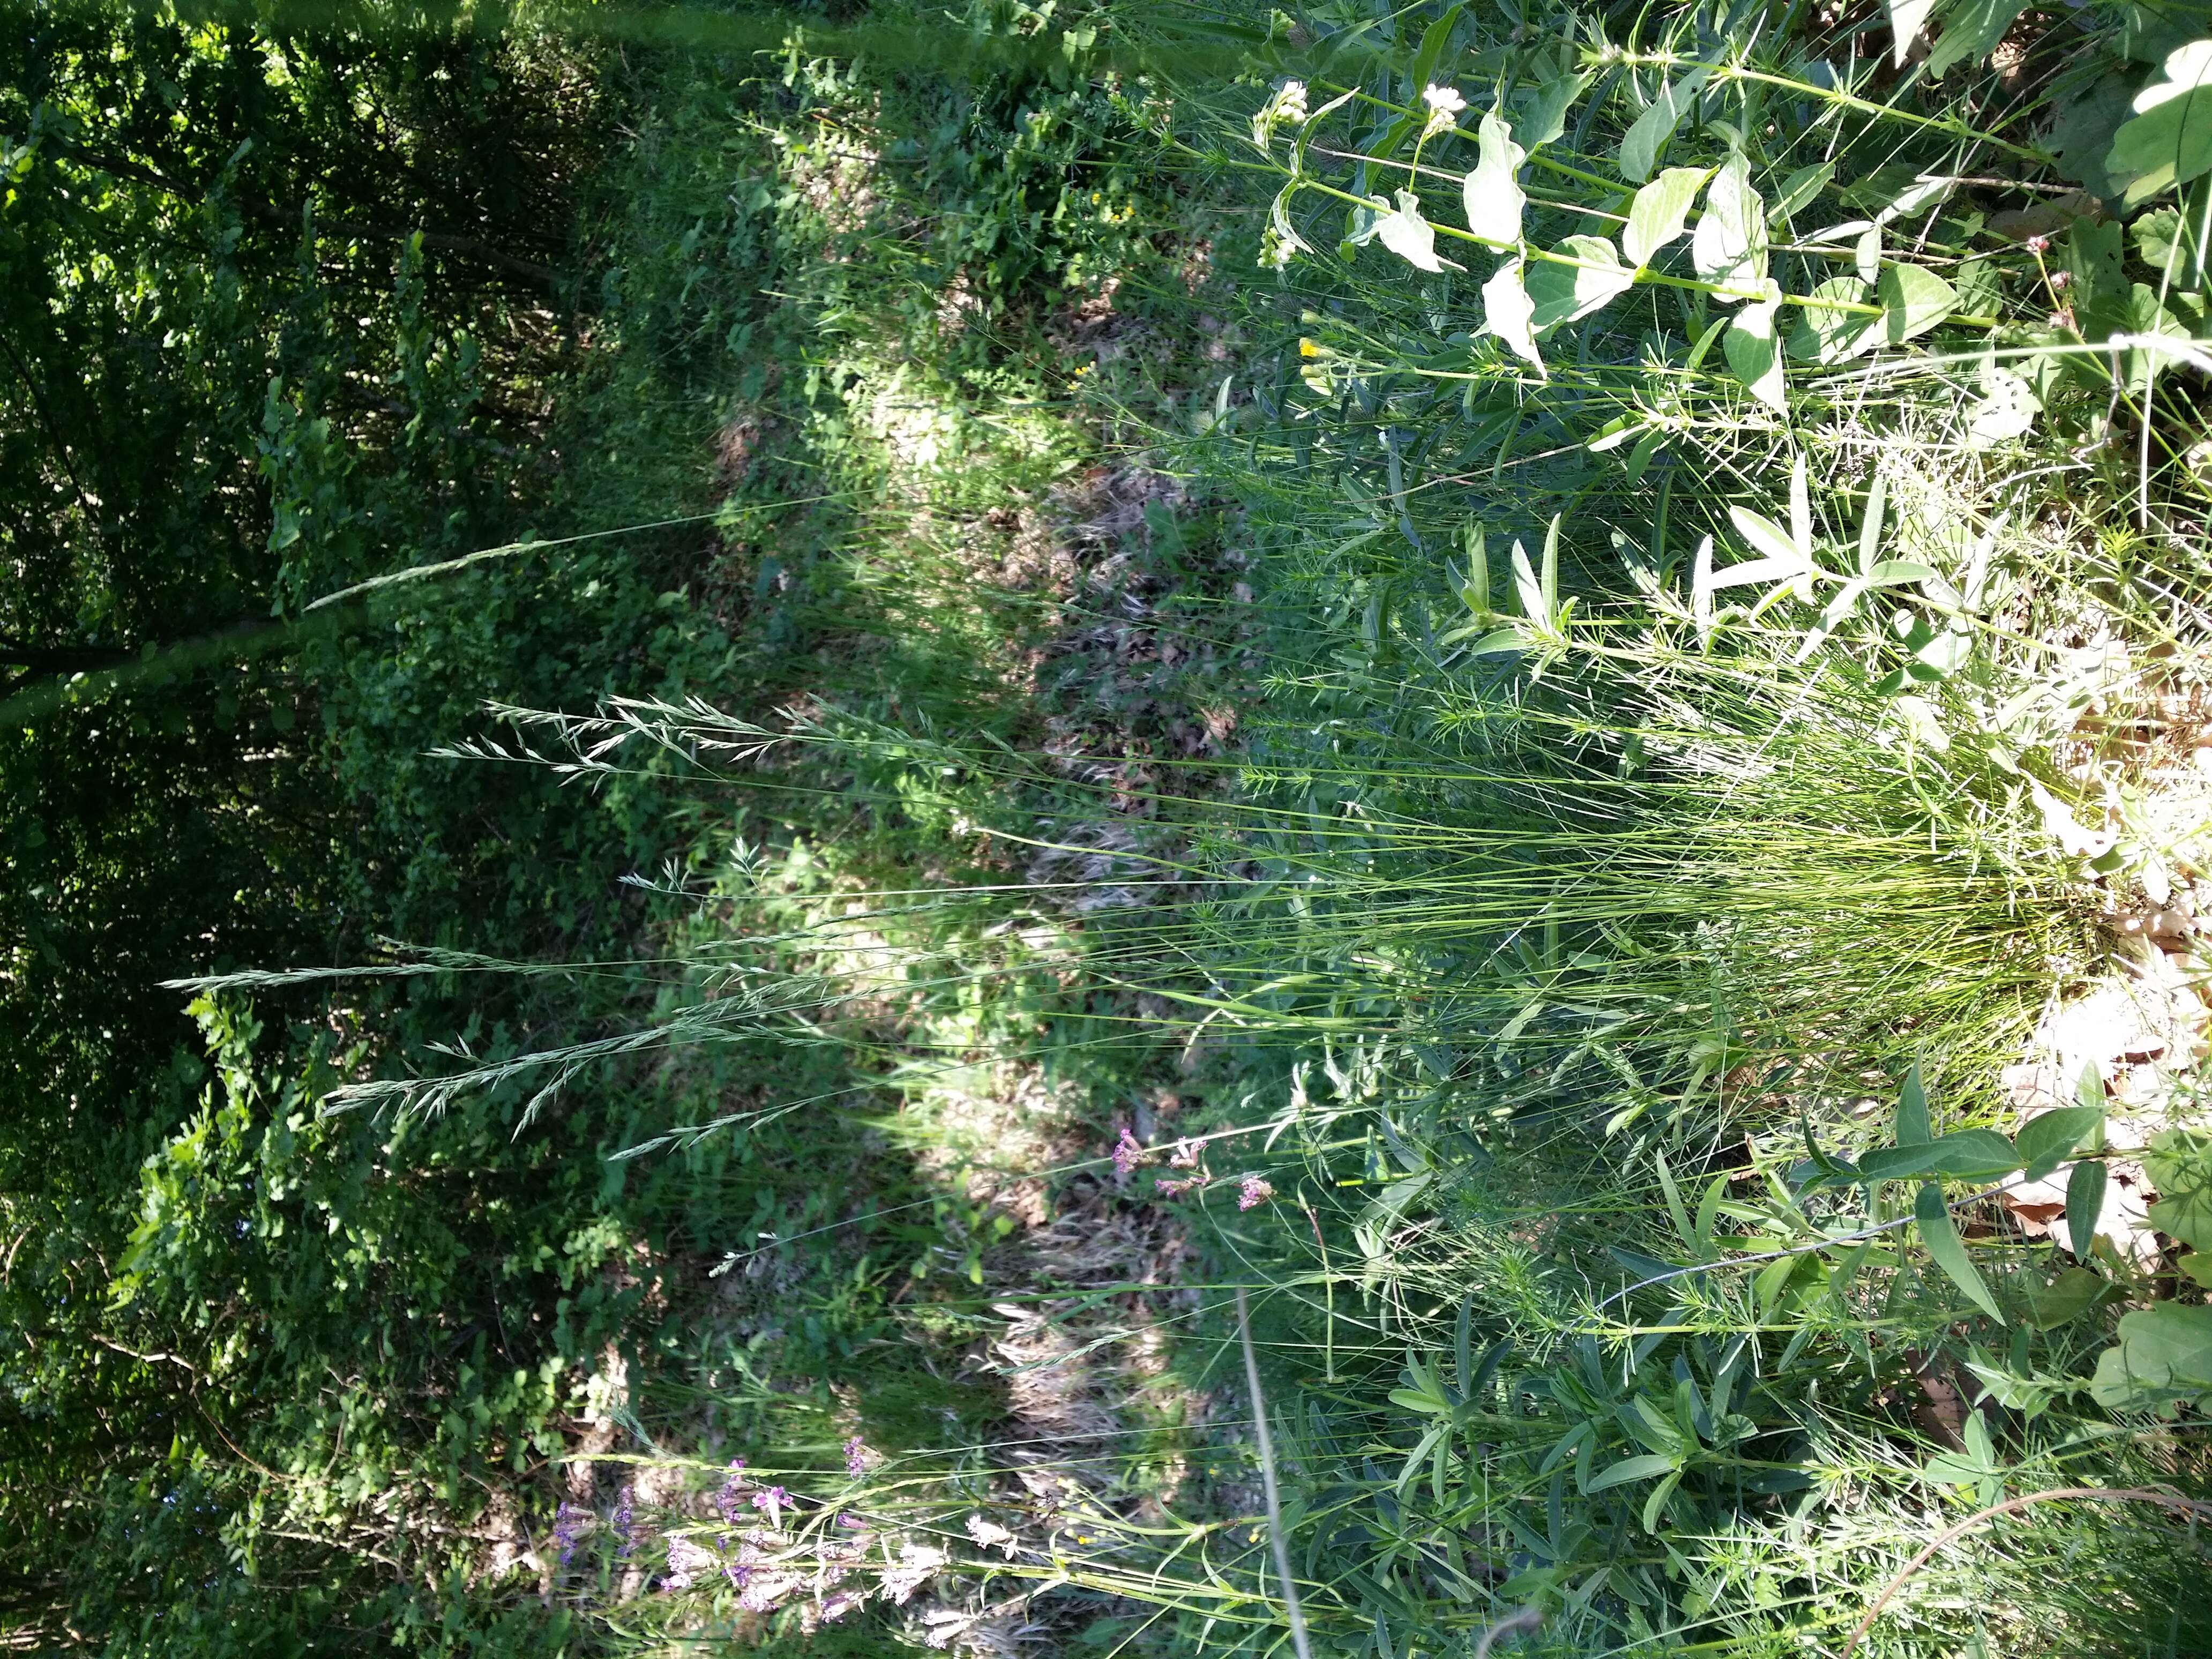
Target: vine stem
(2094,1494)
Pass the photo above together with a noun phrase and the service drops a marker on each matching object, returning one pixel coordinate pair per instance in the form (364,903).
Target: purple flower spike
(569,1522)
(1253,1192)
(1126,1154)
(856,1457)
(729,1501)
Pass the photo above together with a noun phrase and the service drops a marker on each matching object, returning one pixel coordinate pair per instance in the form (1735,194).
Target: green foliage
(1543,961)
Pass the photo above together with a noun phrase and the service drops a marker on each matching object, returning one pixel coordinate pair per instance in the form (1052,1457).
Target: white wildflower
(917,1565)
(1286,108)
(989,1535)
(1444,104)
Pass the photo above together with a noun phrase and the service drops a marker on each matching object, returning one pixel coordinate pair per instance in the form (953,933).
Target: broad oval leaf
(1493,198)
(2169,141)
(1559,292)
(1912,1109)
(1753,354)
(1544,117)
(1906,19)
(1966,1155)
(2085,1203)
(2164,1355)
(1825,331)
(1971,33)
(1660,211)
(2044,1141)
(1506,310)
(1913,300)
(1728,247)
(1799,188)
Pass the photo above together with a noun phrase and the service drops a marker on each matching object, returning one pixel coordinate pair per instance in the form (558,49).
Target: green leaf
(1701,589)
(1870,528)
(1972,33)
(1654,1504)
(1824,332)
(1676,1210)
(1754,355)
(2068,1298)
(1900,573)
(2164,1356)
(2085,1202)
(1913,1110)
(1428,1443)
(1728,247)
(2169,141)
(2044,1141)
(1561,293)
(1659,212)
(1631,1468)
(1434,38)
(1975,1462)
(2179,1165)
(2081,130)
(1408,235)
(1493,199)
(1906,19)
(1475,590)
(1497,643)
(1942,1237)
(1779,561)
(1545,115)
(1648,135)
(2174,247)
(1799,188)
(1549,587)
(1968,1155)
(1867,256)
(1709,1210)
(1913,300)
(1506,310)
(1529,590)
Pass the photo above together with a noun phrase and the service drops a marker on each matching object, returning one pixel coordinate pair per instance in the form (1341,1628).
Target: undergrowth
(1622,665)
